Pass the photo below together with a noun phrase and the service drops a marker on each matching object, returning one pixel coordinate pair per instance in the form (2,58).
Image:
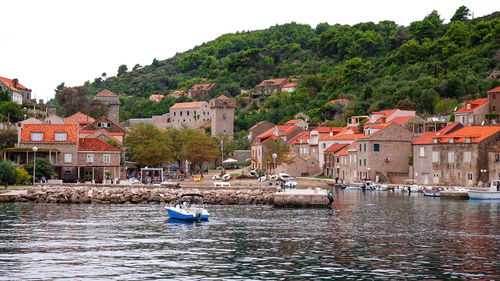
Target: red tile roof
(79,118)
(273,137)
(157,97)
(343,152)
(335,147)
(425,138)
(266,134)
(304,136)
(474,104)
(347,137)
(184,105)
(10,83)
(49,131)
(496,90)
(106,93)
(95,144)
(329,129)
(475,133)
(293,121)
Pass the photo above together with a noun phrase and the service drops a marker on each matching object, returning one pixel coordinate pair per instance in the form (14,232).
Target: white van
(221,183)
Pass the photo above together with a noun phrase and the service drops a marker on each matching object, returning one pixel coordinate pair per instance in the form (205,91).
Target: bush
(7,173)
(22,176)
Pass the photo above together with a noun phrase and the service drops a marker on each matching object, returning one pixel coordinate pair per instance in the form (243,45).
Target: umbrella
(230,161)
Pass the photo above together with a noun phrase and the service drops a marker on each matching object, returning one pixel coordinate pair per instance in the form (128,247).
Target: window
(376,147)
(67,158)
(468,106)
(106,158)
(61,136)
(359,147)
(467,156)
(324,145)
(451,140)
(103,125)
(90,158)
(493,108)
(364,162)
(364,147)
(467,140)
(187,113)
(422,152)
(469,176)
(434,140)
(497,158)
(180,113)
(36,136)
(459,175)
(435,156)
(451,157)
(359,162)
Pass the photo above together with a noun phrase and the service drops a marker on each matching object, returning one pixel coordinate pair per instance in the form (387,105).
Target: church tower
(113,102)
(222,111)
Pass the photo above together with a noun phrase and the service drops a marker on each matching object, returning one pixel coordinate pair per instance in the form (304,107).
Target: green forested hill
(428,65)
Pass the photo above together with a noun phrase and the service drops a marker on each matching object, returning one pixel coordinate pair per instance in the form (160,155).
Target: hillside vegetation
(428,65)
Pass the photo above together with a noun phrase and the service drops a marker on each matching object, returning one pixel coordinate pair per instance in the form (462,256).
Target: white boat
(285,177)
(262,179)
(226,177)
(273,177)
(216,177)
(252,174)
(492,194)
(188,210)
(381,187)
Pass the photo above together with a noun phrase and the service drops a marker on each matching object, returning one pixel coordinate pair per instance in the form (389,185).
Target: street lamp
(368,173)
(274,158)
(34,163)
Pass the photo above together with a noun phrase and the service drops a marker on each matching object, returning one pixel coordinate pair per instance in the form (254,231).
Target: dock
(303,198)
(456,195)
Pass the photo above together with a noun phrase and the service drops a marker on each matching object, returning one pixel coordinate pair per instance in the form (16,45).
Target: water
(368,236)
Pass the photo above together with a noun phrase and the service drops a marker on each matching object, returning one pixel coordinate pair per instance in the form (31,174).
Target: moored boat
(188,210)
(492,194)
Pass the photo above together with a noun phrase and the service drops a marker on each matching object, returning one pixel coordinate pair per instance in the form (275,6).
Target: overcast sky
(46,42)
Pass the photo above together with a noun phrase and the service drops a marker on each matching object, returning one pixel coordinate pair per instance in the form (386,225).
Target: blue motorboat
(188,208)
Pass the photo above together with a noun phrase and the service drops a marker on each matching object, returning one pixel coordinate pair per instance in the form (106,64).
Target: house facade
(112,101)
(271,86)
(191,115)
(201,90)
(19,94)
(473,113)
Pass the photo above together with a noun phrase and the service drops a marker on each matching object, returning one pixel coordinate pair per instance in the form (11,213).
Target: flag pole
(222,156)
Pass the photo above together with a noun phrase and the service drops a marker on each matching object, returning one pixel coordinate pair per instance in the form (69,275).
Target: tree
(8,138)
(7,173)
(43,168)
(176,139)
(282,151)
(122,69)
(200,148)
(406,105)
(148,146)
(73,100)
(59,88)
(11,110)
(4,95)
(461,14)
(356,69)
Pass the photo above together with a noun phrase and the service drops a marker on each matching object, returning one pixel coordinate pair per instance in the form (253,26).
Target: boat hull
(484,195)
(185,216)
(432,194)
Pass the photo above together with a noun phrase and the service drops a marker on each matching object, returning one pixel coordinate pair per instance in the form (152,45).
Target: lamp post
(274,158)
(34,163)
(368,176)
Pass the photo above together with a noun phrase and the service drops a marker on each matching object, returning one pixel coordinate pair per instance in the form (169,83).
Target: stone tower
(113,102)
(222,113)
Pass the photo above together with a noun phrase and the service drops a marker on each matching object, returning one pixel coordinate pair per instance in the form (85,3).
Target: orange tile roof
(266,134)
(302,136)
(385,113)
(290,85)
(288,130)
(475,133)
(157,97)
(496,90)
(95,144)
(343,152)
(184,105)
(273,137)
(474,104)
(106,93)
(402,120)
(342,99)
(329,129)
(79,118)
(293,121)
(425,138)
(347,137)
(49,131)
(10,83)
(335,147)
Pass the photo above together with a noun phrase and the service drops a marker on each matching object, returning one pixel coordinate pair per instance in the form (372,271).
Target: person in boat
(192,200)
(330,200)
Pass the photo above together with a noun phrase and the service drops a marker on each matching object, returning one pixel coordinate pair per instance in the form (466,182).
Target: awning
(230,161)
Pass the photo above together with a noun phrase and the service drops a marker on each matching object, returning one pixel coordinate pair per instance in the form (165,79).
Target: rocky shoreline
(81,194)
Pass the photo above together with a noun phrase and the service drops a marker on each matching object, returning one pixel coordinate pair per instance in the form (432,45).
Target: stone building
(79,118)
(96,158)
(53,119)
(259,128)
(271,86)
(222,113)
(494,101)
(421,170)
(461,157)
(201,90)
(106,124)
(156,98)
(332,135)
(299,123)
(383,154)
(332,164)
(300,166)
(473,112)
(191,115)
(19,93)
(112,101)
(494,162)
(300,144)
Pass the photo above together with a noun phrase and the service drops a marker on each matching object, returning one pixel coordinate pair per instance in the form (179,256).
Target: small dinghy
(226,177)
(188,209)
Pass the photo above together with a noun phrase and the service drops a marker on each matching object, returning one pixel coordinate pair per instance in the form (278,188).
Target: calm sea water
(368,236)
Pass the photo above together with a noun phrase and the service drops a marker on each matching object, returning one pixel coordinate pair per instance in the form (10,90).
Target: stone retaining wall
(130,194)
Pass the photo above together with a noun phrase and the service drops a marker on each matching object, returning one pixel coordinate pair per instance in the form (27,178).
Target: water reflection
(367,235)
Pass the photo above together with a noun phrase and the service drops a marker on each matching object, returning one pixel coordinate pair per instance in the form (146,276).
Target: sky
(44,43)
